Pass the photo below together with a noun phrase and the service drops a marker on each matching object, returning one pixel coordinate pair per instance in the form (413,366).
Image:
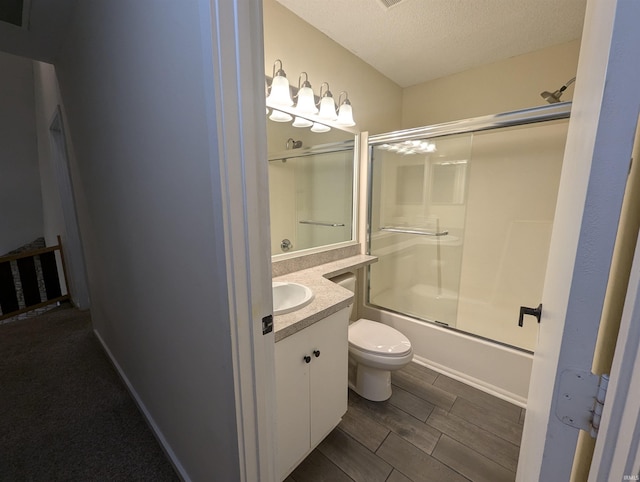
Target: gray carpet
(65,414)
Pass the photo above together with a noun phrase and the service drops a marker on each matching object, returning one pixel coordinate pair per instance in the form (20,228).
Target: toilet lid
(374,337)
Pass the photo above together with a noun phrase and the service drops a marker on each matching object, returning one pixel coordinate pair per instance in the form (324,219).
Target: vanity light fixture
(307,112)
(345,113)
(327,105)
(279,93)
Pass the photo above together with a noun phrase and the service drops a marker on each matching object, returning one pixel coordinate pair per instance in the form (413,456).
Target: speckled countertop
(328,296)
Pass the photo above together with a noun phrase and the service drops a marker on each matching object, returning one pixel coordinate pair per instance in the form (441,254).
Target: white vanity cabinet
(311,387)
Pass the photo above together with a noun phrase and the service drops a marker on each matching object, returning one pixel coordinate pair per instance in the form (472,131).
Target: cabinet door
(328,383)
(292,397)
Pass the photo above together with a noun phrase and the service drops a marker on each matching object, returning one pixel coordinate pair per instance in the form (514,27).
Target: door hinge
(580,399)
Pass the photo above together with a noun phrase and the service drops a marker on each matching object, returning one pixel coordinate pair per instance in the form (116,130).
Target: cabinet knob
(316,353)
(307,359)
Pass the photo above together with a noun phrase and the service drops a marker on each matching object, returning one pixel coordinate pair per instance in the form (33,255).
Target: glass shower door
(465,243)
(417,219)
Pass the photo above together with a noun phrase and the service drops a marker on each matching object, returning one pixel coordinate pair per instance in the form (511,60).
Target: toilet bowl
(375,350)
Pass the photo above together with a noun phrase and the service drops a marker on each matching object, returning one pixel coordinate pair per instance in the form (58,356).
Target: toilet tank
(348,281)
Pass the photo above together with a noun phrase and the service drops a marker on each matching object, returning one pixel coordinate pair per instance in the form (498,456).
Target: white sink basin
(288,297)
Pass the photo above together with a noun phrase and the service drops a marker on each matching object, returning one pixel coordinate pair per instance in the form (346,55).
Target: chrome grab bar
(413,231)
(318,223)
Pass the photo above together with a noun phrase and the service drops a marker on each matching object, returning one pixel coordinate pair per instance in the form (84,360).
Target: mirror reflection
(311,178)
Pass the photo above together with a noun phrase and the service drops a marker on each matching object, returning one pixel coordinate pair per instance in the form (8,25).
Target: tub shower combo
(460,217)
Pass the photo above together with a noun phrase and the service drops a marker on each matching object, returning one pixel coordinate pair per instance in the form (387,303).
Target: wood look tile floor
(432,429)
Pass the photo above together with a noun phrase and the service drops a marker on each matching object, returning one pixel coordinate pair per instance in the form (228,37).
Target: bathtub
(496,369)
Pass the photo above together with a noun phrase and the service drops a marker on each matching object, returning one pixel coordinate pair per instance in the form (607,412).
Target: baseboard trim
(150,421)
(471,381)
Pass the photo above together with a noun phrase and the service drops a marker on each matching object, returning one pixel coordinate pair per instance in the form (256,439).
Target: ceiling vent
(387,4)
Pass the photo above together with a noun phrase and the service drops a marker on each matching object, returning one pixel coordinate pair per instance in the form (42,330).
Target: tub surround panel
(329,298)
(285,266)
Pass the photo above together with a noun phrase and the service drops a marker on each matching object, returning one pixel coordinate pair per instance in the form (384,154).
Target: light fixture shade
(345,115)
(328,108)
(279,116)
(280,93)
(306,101)
(320,127)
(301,122)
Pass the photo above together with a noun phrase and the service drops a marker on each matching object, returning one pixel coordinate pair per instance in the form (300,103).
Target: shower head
(554,97)
(551,97)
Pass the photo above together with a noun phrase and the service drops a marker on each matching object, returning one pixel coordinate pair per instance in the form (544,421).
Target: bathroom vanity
(311,363)
(311,387)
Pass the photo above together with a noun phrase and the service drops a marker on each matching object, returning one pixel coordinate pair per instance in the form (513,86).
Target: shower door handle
(525,310)
(413,231)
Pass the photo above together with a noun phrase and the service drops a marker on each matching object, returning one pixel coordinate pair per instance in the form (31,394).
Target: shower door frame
(534,115)
(514,118)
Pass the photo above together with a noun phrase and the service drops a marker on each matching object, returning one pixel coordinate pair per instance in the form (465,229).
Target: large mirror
(311,187)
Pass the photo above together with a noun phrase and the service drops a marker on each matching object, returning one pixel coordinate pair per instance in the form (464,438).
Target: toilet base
(371,383)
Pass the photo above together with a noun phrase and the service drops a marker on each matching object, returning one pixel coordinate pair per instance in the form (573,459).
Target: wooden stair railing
(34,297)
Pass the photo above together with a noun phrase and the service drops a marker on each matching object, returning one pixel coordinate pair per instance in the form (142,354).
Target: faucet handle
(525,310)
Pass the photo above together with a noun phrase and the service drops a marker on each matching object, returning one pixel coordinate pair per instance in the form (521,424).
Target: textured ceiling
(418,40)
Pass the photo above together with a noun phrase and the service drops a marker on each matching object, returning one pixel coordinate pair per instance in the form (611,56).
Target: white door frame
(617,447)
(77,284)
(232,39)
(599,145)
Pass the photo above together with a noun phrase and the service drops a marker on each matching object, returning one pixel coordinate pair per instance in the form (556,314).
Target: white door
(71,240)
(601,132)
(234,71)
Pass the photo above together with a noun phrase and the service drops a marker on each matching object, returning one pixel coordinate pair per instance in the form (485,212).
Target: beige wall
(511,84)
(302,48)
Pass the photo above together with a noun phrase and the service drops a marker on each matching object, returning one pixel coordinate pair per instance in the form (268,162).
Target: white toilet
(375,350)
